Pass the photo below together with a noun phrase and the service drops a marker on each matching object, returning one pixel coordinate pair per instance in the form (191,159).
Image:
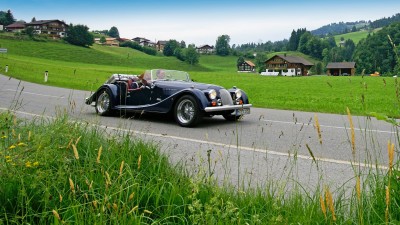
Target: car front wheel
(187,112)
(103,103)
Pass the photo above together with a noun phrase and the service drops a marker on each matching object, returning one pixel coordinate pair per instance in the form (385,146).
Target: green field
(87,68)
(355,36)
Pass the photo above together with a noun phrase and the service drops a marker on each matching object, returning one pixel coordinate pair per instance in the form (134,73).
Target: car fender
(114,90)
(199,95)
(245,98)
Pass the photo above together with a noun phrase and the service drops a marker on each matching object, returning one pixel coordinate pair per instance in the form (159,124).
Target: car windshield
(161,74)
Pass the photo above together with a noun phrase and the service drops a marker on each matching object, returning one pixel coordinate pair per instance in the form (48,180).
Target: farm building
(287,66)
(247,66)
(341,68)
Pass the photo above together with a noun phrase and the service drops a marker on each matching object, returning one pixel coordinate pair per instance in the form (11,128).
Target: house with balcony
(286,65)
(53,28)
(205,49)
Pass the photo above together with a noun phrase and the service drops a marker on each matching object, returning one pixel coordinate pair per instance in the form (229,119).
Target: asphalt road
(266,146)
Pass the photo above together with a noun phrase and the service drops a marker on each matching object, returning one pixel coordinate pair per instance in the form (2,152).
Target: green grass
(355,36)
(46,181)
(87,68)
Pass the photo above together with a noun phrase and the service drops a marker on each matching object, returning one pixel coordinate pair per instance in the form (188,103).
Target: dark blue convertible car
(169,92)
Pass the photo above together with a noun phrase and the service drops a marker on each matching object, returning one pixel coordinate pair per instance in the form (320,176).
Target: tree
(33,20)
(103,40)
(260,62)
(191,55)
(113,32)
(239,61)
(6,18)
(29,31)
(183,44)
(169,48)
(222,45)
(79,35)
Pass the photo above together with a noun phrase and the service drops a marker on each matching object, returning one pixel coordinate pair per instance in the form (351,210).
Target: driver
(160,74)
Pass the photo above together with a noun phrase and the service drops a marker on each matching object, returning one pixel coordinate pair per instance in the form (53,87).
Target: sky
(203,21)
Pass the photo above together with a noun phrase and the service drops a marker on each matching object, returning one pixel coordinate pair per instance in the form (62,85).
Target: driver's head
(160,74)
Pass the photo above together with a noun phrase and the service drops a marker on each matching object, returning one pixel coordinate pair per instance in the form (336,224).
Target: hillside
(354,36)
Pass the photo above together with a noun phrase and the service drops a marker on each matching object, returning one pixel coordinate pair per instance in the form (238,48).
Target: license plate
(243,111)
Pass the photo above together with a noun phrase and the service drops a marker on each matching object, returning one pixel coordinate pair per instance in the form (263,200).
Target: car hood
(184,85)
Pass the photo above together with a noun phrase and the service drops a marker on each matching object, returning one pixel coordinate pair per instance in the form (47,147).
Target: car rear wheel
(103,103)
(187,112)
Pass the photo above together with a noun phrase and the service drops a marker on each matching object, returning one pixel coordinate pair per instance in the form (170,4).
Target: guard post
(46,75)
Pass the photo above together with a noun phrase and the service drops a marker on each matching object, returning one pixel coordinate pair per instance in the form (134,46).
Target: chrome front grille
(225,97)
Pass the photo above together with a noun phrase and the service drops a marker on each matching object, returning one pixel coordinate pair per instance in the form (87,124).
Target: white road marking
(327,126)
(31,93)
(305,157)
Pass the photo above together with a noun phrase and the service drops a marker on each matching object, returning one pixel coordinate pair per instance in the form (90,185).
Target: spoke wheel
(187,113)
(103,103)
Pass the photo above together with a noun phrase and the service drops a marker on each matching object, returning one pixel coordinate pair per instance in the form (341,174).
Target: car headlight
(212,94)
(238,93)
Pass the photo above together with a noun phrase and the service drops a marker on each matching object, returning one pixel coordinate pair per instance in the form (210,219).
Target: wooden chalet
(53,28)
(160,45)
(205,49)
(247,66)
(341,69)
(286,65)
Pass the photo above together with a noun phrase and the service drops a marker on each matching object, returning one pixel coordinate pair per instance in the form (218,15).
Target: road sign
(3,50)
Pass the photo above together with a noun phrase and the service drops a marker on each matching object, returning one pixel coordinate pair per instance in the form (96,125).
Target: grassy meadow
(87,68)
(87,176)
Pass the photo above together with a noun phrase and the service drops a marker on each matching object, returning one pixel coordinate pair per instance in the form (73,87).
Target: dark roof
(205,47)
(296,59)
(16,25)
(41,22)
(162,42)
(293,59)
(341,65)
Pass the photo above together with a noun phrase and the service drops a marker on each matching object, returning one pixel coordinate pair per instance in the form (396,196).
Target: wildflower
(353,139)
(8,157)
(133,209)
(75,152)
(3,137)
(99,154)
(12,147)
(28,164)
(358,188)
(55,213)
(22,144)
(71,185)
(121,168)
(147,211)
(139,161)
(108,180)
(36,164)
(323,208)
(318,129)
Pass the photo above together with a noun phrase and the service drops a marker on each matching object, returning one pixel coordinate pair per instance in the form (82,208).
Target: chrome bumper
(227,107)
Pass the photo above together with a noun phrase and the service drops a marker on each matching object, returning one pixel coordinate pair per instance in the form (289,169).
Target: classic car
(169,92)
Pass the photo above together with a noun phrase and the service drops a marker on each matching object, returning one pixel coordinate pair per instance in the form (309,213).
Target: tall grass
(60,171)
